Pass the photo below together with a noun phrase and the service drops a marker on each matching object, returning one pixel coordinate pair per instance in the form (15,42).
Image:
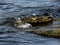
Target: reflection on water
(12,36)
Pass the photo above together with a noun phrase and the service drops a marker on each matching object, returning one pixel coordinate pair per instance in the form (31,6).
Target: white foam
(26,25)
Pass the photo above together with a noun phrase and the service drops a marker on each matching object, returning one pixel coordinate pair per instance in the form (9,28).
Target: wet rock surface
(51,33)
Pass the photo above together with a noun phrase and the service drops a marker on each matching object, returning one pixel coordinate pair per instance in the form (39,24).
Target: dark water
(12,36)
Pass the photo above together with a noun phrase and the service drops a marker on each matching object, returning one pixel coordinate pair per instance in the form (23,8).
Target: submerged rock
(49,33)
(58,19)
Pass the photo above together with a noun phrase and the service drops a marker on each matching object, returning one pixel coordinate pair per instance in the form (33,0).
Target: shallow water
(13,36)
